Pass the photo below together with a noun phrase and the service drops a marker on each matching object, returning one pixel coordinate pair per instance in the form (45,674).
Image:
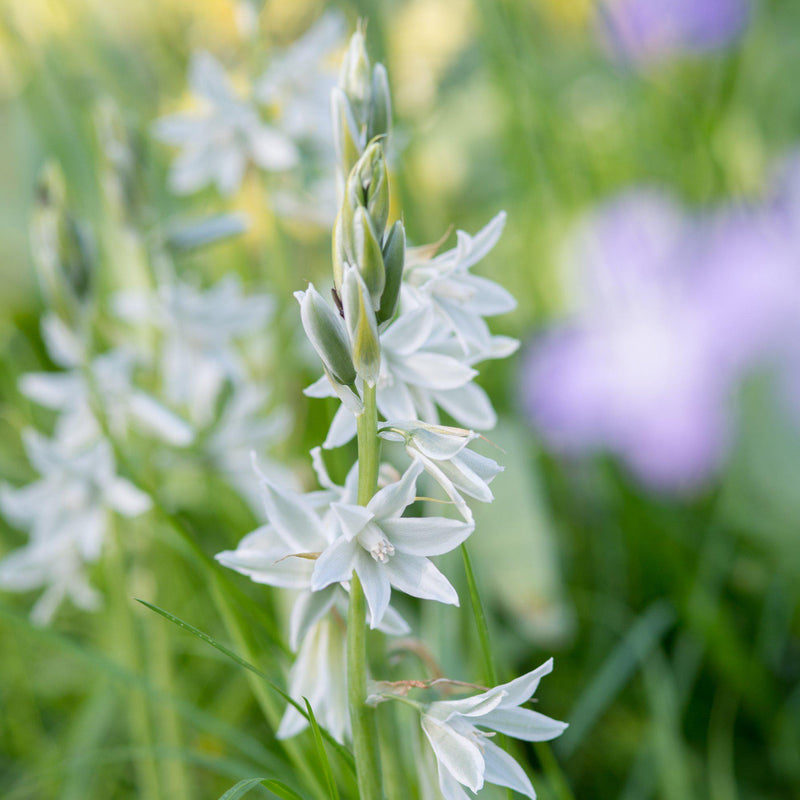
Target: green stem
(362,718)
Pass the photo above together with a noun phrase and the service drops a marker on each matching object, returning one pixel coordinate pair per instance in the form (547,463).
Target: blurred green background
(674,623)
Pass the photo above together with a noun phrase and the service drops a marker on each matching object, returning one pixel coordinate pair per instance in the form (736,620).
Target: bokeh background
(645,530)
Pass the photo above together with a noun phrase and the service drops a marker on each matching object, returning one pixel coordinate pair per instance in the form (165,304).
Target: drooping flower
(223,137)
(445,454)
(66,513)
(464,752)
(646,32)
(385,550)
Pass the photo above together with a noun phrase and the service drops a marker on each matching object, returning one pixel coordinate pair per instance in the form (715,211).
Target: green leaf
(343,752)
(321,752)
(277,788)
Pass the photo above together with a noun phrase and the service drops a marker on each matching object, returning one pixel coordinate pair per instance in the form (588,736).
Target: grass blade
(323,755)
(277,788)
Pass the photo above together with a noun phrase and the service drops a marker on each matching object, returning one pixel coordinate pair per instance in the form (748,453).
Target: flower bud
(380,107)
(62,250)
(394,251)
(354,76)
(361,326)
(347,138)
(327,334)
(368,257)
(368,185)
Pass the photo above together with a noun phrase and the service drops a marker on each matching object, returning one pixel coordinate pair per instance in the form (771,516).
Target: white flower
(200,330)
(244,427)
(385,550)
(297,82)
(420,371)
(319,674)
(106,381)
(465,754)
(444,453)
(226,134)
(66,513)
(444,285)
(282,552)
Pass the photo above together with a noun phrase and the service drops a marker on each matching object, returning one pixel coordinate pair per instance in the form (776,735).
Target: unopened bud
(394,253)
(380,106)
(62,249)
(361,326)
(354,76)
(368,256)
(327,333)
(368,185)
(347,137)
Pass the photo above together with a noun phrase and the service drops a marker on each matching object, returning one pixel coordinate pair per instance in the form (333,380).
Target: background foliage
(673,621)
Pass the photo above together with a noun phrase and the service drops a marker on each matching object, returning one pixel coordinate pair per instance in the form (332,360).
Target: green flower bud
(369,258)
(380,107)
(346,135)
(62,250)
(394,254)
(327,333)
(354,76)
(361,326)
(368,185)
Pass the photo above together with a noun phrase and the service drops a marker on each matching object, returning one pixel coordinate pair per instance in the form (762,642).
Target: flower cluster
(277,123)
(670,313)
(172,371)
(400,340)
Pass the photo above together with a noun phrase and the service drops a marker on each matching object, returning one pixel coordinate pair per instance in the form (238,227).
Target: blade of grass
(276,787)
(321,752)
(342,751)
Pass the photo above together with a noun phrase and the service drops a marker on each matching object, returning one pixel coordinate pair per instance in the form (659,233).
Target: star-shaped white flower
(201,330)
(465,754)
(224,135)
(387,551)
(444,285)
(66,513)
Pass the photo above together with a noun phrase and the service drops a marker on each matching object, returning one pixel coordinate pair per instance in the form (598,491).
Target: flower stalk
(362,718)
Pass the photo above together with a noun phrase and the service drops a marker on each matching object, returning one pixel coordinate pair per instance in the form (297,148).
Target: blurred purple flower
(669,314)
(649,31)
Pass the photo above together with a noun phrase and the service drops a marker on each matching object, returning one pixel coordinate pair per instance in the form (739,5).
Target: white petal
(160,420)
(474,248)
(408,332)
(272,150)
(502,770)
(125,498)
(469,405)
(523,688)
(426,536)
(335,564)
(487,297)
(295,522)
(63,346)
(352,518)
(418,577)
(320,388)
(433,371)
(308,609)
(459,755)
(342,430)
(524,724)
(393,499)
(475,706)
(267,562)
(52,389)
(450,788)
(395,401)
(393,624)
(375,583)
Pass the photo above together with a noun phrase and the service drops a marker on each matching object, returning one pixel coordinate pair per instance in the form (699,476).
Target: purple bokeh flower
(645,32)
(669,313)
